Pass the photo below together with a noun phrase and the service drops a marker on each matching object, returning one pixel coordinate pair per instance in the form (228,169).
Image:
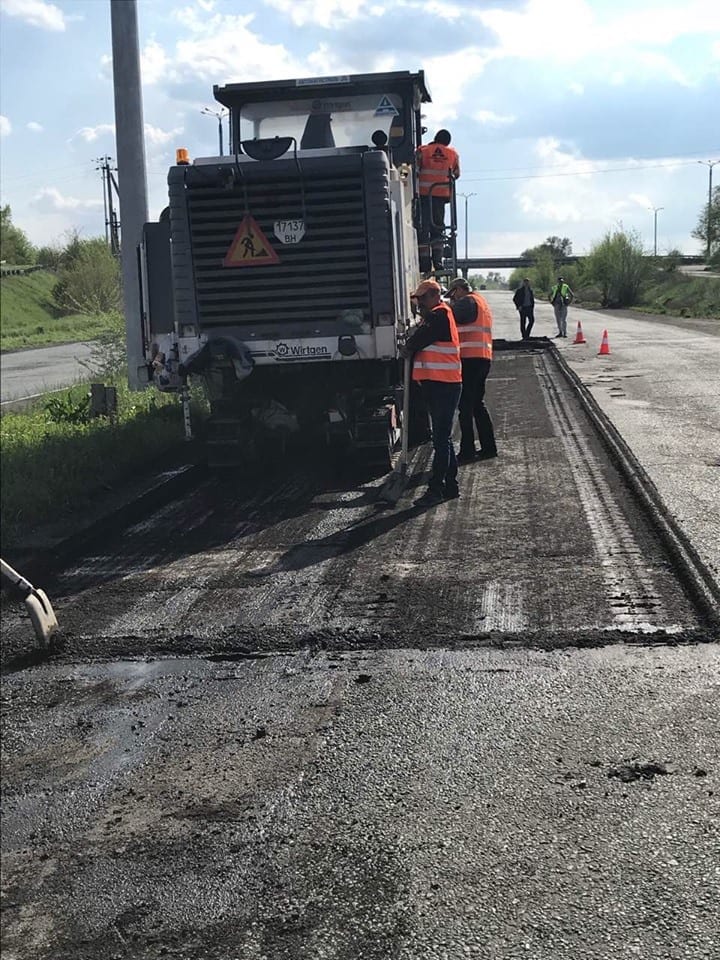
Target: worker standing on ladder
(438,165)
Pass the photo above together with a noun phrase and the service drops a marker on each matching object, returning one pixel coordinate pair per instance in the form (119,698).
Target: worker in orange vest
(474,323)
(438,164)
(435,347)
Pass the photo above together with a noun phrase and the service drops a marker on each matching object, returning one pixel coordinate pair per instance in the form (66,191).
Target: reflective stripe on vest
(476,337)
(441,360)
(436,163)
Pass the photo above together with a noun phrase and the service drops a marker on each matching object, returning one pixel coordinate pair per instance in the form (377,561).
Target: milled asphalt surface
(404,803)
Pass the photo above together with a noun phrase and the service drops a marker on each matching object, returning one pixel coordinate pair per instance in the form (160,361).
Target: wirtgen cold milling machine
(290,262)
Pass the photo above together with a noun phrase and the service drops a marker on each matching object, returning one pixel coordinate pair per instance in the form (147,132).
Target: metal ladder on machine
(449,238)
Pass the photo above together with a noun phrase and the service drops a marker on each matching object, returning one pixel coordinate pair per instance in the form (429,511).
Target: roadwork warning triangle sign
(250,246)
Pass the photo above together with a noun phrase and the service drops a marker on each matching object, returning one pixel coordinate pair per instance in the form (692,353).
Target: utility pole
(710,164)
(101,168)
(220,114)
(132,191)
(111,222)
(467,197)
(655,211)
(114,222)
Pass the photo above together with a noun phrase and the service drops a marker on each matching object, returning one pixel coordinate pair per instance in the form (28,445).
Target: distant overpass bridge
(512,263)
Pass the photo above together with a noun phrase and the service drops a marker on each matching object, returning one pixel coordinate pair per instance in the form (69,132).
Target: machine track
(549,545)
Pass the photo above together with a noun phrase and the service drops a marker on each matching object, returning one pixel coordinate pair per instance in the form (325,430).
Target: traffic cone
(605,345)
(579,336)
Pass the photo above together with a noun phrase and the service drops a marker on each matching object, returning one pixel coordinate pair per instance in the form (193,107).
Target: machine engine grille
(319,279)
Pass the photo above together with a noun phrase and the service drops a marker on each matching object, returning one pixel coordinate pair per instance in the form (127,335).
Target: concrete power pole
(131,174)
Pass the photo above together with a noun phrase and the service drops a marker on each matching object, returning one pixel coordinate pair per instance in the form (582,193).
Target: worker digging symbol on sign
(248,245)
(438,164)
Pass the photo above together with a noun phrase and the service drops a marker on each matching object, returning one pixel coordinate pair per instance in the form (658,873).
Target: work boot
(451,491)
(431,498)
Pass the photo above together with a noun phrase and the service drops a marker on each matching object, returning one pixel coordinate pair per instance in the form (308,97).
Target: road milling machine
(280,273)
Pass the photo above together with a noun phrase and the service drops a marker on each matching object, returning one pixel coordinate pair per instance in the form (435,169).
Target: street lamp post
(710,164)
(220,114)
(467,197)
(655,212)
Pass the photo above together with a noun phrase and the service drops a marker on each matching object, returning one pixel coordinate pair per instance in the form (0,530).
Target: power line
(580,173)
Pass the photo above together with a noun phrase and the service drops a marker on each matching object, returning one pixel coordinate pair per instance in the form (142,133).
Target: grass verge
(29,318)
(676,294)
(49,469)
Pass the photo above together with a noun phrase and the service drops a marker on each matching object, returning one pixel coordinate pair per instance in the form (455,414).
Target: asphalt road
(426,801)
(27,373)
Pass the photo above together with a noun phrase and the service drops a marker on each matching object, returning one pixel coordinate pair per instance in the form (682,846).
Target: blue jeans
(442,401)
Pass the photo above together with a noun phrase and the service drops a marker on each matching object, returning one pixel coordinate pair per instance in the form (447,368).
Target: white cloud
(577,88)
(90,134)
(36,13)
(572,196)
(5,127)
(221,49)
(50,200)
(153,63)
(156,136)
(451,74)
(493,119)
(35,127)
(585,32)
(333,14)
(641,200)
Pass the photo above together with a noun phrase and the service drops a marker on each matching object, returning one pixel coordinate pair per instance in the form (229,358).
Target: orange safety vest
(440,360)
(476,337)
(436,164)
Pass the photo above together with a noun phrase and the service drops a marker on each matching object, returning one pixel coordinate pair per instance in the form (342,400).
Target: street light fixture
(220,114)
(467,197)
(710,164)
(655,211)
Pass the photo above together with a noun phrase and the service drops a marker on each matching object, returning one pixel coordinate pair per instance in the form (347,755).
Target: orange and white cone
(579,336)
(604,346)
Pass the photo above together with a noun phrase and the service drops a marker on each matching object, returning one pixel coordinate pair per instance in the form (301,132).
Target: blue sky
(570,116)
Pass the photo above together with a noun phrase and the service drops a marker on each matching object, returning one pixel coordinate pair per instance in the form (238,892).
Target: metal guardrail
(475,263)
(21,271)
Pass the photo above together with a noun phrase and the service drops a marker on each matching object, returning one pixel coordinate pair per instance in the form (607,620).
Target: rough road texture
(335,763)
(395,805)
(546,543)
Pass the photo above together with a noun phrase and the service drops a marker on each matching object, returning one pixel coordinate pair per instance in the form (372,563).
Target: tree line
(88,274)
(616,269)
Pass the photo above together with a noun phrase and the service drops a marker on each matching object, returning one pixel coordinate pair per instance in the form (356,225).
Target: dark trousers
(442,402)
(527,320)
(432,227)
(472,408)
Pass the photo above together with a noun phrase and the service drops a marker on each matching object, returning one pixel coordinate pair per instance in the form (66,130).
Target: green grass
(679,295)
(48,470)
(28,317)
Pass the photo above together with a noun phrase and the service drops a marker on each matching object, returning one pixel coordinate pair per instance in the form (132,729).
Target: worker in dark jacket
(524,300)
(474,322)
(435,348)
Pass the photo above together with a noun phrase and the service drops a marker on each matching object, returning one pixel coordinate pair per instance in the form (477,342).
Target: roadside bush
(88,279)
(66,409)
(617,266)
